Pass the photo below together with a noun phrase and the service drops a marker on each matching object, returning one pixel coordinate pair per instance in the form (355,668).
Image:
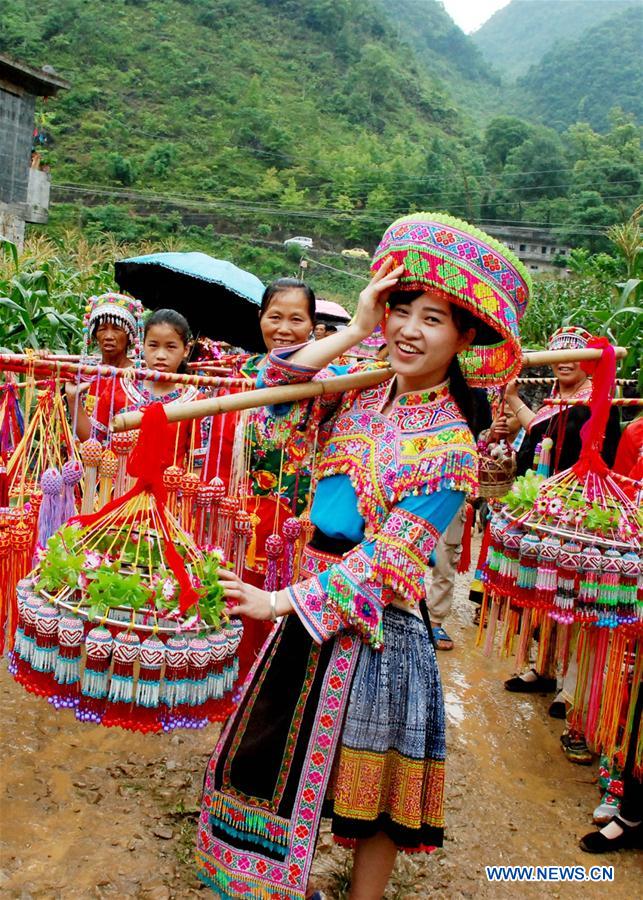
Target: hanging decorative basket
(567,550)
(570,545)
(123,619)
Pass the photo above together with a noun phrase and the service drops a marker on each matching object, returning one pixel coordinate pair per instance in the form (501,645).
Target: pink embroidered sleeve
(353,593)
(279,370)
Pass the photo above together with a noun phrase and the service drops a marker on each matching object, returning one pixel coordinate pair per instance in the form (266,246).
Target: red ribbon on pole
(147,462)
(603,372)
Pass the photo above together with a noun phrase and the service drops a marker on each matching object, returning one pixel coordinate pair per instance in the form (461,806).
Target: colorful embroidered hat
(569,337)
(116,309)
(474,271)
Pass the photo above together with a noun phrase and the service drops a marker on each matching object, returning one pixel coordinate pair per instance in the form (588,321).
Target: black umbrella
(219,300)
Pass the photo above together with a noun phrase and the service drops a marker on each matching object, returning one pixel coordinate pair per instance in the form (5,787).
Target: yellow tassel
(251,554)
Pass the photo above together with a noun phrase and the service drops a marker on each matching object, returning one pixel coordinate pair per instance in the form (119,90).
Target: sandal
(575,748)
(441,638)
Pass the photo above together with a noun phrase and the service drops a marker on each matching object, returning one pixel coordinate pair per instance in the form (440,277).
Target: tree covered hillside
(255,103)
(264,119)
(584,79)
(518,35)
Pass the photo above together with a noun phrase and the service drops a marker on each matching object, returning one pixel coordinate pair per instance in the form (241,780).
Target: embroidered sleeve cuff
(279,370)
(99,429)
(355,598)
(309,602)
(402,552)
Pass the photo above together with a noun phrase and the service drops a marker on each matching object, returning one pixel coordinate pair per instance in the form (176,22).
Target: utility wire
(320,213)
(400,179)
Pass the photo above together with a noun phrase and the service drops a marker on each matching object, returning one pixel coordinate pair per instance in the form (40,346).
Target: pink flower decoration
(93,559)
(555,506)
(168,590)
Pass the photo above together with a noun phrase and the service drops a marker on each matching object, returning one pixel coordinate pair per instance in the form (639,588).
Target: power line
(254,206)
(335,269)
(320,214)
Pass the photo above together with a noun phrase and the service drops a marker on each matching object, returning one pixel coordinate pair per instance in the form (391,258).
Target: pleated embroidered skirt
(339,730)
(389,771)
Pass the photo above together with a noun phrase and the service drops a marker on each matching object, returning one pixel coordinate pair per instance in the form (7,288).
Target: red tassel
(4,484)
(465,556)
(593,431)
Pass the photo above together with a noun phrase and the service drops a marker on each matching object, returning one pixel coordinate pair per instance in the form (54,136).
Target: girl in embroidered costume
(165,348)
(344,710)
(562,425)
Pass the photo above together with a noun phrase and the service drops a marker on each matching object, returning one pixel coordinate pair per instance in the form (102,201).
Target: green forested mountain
(445,52)
(270,118)
(584,79)
(518,35)
(272,104)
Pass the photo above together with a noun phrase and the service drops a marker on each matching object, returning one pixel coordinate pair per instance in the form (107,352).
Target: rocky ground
(90,812)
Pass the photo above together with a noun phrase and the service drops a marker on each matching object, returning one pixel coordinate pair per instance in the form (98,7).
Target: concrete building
(535,247)
(24,188)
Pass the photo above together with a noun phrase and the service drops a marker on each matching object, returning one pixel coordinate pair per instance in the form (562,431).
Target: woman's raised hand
(511,391)
(499,427)
(372,300)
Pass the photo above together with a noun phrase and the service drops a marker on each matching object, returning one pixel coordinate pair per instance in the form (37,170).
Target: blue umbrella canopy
(219,300)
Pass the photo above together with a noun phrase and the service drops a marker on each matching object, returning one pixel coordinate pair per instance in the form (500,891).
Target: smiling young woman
(344,711)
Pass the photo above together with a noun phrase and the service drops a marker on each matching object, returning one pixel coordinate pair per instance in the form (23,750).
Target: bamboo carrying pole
(575,401)
(552,380)
(549,357)
(178,412)
(16,362)
(291,393)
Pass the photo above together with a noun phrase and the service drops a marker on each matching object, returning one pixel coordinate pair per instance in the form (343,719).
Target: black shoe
(558,709)
(630,839)
(539,685)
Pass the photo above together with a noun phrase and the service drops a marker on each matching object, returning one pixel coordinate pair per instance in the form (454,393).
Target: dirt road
(90,812)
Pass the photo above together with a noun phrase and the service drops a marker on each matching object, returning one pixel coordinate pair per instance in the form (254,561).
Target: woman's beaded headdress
(115,309)
(569,337)
(473,270)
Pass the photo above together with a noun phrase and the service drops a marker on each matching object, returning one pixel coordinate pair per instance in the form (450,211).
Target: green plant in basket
(211,601)
(109,587)
(601,520)
(524,492)
(61,566)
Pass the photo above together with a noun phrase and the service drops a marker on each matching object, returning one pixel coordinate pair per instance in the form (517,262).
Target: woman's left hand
(247,600)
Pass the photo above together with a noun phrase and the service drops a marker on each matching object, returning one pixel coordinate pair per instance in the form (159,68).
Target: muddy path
(89,812)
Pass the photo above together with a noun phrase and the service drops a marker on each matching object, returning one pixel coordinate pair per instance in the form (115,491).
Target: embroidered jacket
(124,394)
(389,482)
(278,454)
